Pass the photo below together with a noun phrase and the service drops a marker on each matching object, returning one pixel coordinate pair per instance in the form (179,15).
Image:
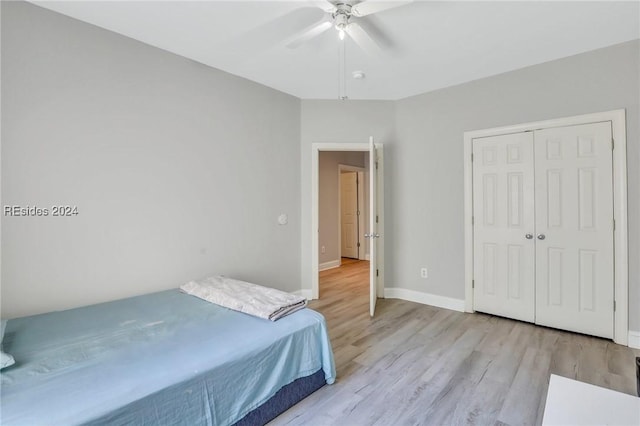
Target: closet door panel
(503,215)
(574,228)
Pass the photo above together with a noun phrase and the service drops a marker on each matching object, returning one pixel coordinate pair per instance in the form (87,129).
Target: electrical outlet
(424,273)
(322,249)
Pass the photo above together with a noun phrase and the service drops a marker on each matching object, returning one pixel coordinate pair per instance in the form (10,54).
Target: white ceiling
(430,44)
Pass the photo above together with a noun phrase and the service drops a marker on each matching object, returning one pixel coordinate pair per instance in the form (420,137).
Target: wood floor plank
(453,404)
(414,364)
(522,403)
(507,361)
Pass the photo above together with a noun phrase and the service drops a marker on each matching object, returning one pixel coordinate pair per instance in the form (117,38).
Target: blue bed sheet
(162,358)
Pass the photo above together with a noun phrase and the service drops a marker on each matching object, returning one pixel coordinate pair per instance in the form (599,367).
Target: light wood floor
(417,364)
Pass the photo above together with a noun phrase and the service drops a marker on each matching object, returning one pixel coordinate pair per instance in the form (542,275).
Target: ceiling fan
(343,15)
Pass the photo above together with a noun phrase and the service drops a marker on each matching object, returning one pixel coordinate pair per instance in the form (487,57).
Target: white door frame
(621,261)
(361,207)
(315,178)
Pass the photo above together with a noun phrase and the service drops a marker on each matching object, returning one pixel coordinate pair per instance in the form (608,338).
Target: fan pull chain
(343,70)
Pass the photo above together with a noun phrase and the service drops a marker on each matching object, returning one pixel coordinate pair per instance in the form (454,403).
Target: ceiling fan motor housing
(341,16)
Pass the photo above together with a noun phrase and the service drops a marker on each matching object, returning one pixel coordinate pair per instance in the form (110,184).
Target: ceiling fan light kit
(341,18)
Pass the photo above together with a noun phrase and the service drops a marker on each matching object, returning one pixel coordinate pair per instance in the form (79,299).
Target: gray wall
(178,170)
(427,170)
(328,200)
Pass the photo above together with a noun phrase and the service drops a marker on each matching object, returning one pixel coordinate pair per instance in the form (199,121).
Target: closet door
(574,228)
(504,248)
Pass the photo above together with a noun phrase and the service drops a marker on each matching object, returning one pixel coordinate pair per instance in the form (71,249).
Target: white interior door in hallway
(543,227)
(349,212)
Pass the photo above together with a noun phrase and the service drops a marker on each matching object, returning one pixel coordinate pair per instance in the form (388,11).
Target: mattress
(162,358)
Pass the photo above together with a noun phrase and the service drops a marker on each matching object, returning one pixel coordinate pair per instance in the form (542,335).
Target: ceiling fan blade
(310,33)
(375,32)
(324,5)
(363,39)
(275,32)
(369,7)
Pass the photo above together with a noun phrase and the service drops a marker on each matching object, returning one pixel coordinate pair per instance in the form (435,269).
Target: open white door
(373,228)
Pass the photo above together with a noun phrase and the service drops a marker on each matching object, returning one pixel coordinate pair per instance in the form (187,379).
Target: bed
(161,358)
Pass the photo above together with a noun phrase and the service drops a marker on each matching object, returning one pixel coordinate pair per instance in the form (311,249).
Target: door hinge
(377,272)
(376,165)
(614,306)
(376,218)
(358,212)
(473,283)
(358,244)
(614,224)
(613,143)
(472,157)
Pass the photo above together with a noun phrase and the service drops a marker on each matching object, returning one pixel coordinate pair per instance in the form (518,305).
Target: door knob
(528,236)
(541,236)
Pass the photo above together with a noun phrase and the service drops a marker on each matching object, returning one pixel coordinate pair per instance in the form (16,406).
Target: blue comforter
(162,358)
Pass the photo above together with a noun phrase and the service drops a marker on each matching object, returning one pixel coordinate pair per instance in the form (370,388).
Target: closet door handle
(528,236)
(541,236)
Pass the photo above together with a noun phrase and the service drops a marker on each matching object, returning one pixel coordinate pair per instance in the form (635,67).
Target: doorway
(374,152)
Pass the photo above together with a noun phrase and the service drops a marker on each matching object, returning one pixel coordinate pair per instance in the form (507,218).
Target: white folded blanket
(242,296)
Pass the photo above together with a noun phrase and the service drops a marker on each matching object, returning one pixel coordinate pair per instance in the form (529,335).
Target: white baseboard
(304,292)
(425,298)
(329,265)
(367,257)
(634,339)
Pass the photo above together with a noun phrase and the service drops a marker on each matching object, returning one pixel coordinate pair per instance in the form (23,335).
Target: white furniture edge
(424,298)
(572,402)
(621,265)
